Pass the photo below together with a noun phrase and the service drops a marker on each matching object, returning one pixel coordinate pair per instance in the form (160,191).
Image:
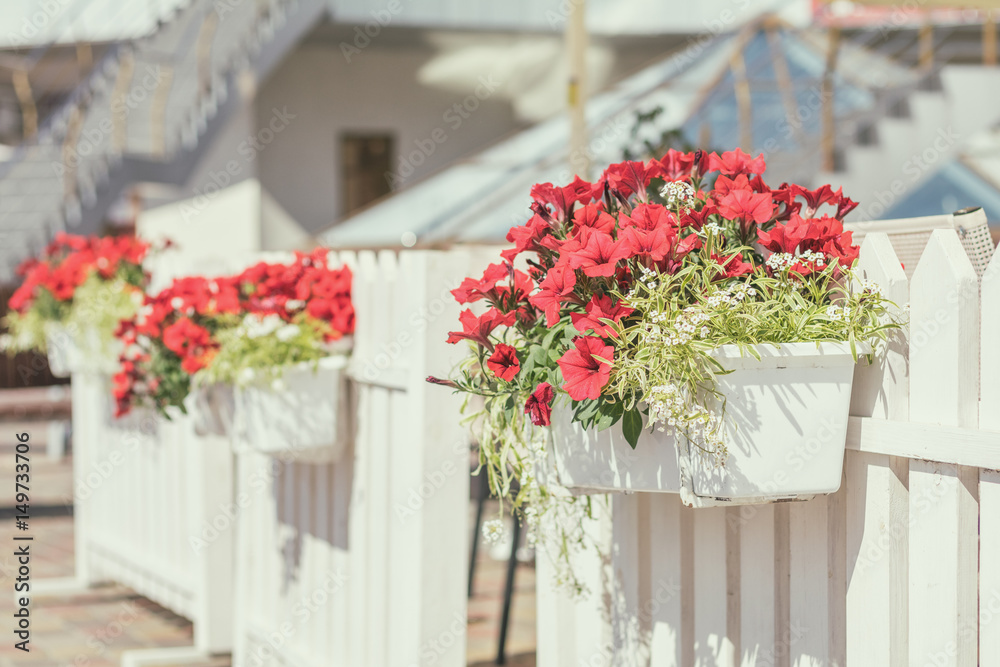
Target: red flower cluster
(178,325)
(585,243)
(69,260)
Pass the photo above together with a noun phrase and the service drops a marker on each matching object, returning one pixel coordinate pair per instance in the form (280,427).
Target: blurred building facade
(235,125)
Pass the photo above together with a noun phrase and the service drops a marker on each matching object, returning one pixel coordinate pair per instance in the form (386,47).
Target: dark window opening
(365,160)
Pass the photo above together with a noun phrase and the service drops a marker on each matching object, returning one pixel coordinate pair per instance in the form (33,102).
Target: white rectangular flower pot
(211,408)
(786,428)
(301,417)
(77,352)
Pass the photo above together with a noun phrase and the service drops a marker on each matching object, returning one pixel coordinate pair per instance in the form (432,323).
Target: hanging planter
(785,433)
(73,297)
(200,339)
(87,352)
(636,308)
(211,408)
(300,416)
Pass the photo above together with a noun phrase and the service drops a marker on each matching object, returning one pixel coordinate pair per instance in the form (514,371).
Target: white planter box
(786,427)
(304,420)
(68,356)
(211,408)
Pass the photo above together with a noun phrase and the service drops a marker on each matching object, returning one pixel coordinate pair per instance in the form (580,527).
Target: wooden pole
(926,43)
(84,59)
(989,39)
(576,46)
(29,113)
(744,102)
(829,119)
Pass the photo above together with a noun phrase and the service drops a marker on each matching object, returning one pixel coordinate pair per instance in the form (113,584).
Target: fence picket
(576,630)
(712,644)
(629,635)
(989,573)
(362,569)
(882,389)
(877,559)
(663,603)
(944,389)
(944,340)
(807,638)
(989,352)
(757,631)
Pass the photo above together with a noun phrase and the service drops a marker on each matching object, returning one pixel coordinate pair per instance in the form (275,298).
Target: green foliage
(97,306)
(257,350)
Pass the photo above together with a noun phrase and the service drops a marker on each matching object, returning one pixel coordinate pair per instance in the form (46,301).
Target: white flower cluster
(729,296)
(678,193)
(493,531)
(837,313)
(669,407)
(713,228)
(255,326)
(780,261)
(871,288)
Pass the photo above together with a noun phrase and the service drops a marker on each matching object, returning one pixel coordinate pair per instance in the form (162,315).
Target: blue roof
(953,187)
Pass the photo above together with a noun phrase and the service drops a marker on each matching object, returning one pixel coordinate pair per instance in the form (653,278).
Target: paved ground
(94,628)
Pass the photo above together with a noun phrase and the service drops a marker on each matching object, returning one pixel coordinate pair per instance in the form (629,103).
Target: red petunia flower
(526,237)
(600,256)
(504,363)
(697,219)
(560,201)
(478,329)
(732,267)
(629,177)
(600,307)
(539,404)
(592,216)
(556,289)
(473,290)
(191,342)
(649,217)
(653,244)
(586,368)
(746,206)
(816,198)
(736,162)
(674,166)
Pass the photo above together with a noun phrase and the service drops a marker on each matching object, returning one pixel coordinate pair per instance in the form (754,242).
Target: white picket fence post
(944,389)
(896,568)
(989,480)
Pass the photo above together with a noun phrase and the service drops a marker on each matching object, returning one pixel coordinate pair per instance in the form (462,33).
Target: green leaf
(608,415)
(550,336)
(632,426)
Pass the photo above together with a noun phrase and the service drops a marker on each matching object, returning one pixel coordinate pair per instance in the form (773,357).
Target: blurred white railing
(148,495)
(897,568)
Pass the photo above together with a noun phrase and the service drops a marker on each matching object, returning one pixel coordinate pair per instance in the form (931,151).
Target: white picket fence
(362,561)
(900,567)
(146,491)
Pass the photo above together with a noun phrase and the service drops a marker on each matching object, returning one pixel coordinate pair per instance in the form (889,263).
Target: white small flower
(294,304)
(287,332)
(176,303)
(678,193)
(493,531)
